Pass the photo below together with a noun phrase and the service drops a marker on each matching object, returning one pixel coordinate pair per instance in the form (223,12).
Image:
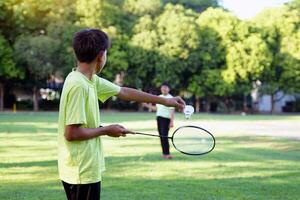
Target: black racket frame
(172,138)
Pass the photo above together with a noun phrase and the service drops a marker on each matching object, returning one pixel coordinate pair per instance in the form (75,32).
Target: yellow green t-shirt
(164,111)
(82,162)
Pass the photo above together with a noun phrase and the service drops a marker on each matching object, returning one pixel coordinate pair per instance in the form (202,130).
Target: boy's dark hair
(165,84)
(88,43)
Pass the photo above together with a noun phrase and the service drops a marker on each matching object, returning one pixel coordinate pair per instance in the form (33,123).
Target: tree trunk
(245,107)
(227,104)
(1,97)
(35,99)
(272,103)
(207,105)
(197,104)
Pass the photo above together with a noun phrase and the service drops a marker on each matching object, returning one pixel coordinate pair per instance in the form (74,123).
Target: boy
(80,154)
(165,120)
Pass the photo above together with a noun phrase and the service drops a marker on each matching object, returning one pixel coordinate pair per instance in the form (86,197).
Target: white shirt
(164,111)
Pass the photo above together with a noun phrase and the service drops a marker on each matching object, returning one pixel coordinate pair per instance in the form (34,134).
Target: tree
(216,32)
(117,61)
(291,64)
(110,17)
(142,7)
(279,27)
(247,58)
(25,17)
(197,5)
(98,14)
(8,68)
(90,13)
(142,53)
(200,50)
(205,69)
(36,56)
(162,46)
(62,32)
(290,50)
(295,4)
(178,38)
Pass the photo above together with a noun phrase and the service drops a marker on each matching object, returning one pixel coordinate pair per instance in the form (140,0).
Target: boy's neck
(86,69)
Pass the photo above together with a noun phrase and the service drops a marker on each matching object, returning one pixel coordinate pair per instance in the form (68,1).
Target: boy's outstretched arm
(130,94)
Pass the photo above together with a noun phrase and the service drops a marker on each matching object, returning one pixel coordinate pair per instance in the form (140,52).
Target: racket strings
(193,140)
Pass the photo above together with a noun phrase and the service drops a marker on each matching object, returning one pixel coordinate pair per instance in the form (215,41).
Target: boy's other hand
(176,102)
(116,130)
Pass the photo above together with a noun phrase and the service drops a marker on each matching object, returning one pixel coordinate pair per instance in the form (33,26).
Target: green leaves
(280,27)
(162,45)
(36,54)
(248,58)
(142,7)
(7,65)
(196,47)
(209,83)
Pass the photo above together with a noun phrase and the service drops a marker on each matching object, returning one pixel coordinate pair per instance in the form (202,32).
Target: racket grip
(130,132)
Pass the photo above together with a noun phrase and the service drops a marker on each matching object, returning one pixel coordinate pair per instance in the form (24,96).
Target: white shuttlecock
(188,111)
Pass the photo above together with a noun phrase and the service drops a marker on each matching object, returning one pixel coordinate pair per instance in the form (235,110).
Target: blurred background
(237,60)
(221,56)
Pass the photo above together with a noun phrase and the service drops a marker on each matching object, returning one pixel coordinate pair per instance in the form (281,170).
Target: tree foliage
(35,54)
(7,64)
(195,45)
(279,27)
(142,7)
(8,69)
(197,5)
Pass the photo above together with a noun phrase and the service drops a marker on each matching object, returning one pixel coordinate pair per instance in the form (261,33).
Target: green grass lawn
(240,167)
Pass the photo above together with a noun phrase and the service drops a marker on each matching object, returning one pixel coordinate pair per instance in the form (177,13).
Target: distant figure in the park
(80,154)
(165,119)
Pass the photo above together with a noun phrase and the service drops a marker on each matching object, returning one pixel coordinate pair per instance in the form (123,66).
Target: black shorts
(89,191)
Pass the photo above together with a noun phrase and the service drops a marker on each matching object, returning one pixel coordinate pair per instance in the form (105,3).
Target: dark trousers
(163,125)
(90,191)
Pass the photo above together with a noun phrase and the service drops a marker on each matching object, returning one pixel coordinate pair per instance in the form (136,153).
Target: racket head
(193,140)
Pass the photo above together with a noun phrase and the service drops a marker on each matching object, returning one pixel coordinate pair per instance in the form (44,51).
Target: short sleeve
(75,106)
(171,108)
(106,89)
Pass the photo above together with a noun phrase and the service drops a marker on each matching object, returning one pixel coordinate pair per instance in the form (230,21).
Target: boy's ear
(101,55)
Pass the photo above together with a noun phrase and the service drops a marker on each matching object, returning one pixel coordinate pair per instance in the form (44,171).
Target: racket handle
(130,132)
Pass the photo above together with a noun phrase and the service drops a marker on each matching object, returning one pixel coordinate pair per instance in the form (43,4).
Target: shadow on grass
(6,128)
(47,163)
(237,155)
(229,149)
(275,187)
(29,117)
(124,188)
(40,190)
(271,174)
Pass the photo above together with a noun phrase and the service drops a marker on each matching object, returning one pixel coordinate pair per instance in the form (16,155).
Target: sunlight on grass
(240,167)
